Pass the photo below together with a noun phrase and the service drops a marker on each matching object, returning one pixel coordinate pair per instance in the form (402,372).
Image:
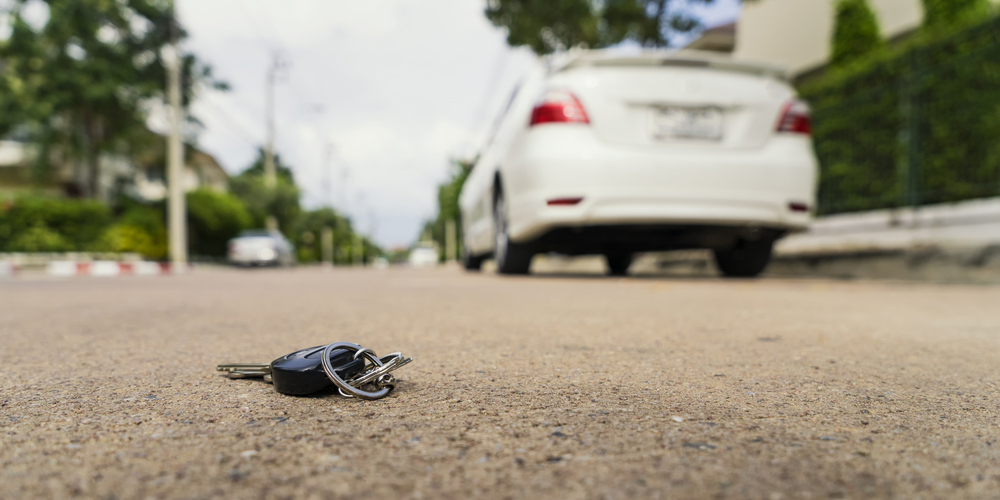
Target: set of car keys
(356,371)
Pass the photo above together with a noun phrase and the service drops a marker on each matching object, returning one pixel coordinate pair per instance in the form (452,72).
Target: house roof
(720,38)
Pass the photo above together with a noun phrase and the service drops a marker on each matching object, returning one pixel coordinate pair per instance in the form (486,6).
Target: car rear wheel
(511,258)
(471,262)
(747,260)
(618,263)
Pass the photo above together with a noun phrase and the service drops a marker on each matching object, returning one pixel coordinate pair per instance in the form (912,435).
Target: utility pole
(270,173)
(328,153)
(359,248)
(326,240)
(358,252)
(176,221)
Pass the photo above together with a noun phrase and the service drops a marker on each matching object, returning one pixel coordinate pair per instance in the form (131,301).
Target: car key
(302,372)
(299,373)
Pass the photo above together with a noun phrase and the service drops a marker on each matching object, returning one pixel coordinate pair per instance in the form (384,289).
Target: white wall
(797,33)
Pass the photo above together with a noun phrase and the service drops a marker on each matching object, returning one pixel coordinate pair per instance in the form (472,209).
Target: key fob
(301,372)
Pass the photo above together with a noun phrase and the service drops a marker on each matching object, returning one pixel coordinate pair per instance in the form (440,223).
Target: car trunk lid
(669,101)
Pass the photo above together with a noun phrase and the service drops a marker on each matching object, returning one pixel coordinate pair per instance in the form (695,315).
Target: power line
(237,127)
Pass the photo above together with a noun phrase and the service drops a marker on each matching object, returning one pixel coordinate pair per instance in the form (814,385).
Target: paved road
(542,387)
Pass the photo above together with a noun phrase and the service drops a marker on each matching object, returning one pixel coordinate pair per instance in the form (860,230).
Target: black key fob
(301,372)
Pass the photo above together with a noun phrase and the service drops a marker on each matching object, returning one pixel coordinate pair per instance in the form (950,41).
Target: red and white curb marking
(98,268)
(106,268)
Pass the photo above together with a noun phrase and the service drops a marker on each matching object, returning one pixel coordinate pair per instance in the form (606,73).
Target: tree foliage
(855,33)
(448,205)
(309,230)
(555,25)
(943,13)
(80,83)
(281,201)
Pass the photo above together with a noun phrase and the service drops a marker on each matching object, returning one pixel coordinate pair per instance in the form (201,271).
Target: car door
(477,195)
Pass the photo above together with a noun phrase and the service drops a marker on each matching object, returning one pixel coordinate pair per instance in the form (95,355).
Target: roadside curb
(109,268)
(97,268)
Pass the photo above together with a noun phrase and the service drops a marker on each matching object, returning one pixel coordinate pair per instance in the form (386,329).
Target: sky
(375,99)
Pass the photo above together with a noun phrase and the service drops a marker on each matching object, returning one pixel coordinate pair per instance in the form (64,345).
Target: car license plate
(677,122)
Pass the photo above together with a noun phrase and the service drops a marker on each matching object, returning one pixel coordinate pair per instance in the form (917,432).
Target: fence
(915,127)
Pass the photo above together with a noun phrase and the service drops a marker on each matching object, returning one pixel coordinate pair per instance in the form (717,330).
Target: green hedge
(52,224)
(43,224)
(914,125)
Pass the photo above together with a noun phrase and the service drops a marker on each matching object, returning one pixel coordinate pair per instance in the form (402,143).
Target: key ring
(345,388)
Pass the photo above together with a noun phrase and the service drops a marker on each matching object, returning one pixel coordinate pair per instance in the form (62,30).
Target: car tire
(746,260)
(511,258)
(618,263)
(471,262)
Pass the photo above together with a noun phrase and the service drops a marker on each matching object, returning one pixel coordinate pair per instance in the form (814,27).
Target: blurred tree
(282,201)
(213,219)
(941,13)
(556,25)
(79,84)
(448,206)
(855,32)
(310,227)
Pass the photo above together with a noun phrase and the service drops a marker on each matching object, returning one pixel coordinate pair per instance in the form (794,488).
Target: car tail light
(558,106)
(795,118)
(563,201)
(798,206)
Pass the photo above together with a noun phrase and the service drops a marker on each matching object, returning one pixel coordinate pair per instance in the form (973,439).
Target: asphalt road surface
(541,387)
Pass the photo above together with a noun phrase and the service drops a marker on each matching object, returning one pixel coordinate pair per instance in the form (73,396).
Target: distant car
(609,154)
(261,247)
(425,254)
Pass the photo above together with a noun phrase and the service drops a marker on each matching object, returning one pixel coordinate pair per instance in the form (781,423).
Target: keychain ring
(344,387)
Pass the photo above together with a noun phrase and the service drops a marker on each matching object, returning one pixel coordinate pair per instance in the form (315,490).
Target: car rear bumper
(631,238)
(252,258)
(621,186)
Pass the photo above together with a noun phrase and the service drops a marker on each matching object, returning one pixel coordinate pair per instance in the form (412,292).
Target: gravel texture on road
(539,387)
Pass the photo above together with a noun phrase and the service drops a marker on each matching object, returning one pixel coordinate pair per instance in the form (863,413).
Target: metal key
(301,372)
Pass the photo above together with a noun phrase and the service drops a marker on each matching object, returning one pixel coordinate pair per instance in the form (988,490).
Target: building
(716,39)
(200,170)
(141,178)
(798,33)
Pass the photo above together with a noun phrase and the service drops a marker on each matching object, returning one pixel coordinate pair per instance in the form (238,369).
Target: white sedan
(424,254)
(261,247)
(613,155)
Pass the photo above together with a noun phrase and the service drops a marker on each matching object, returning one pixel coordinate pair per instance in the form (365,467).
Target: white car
(424,254)
(613,155)
(261,247)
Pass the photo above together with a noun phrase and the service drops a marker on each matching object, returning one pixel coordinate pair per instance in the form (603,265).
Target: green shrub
(214,218)
(151,221)
(78,223)
(39,238)
(129,238)
(855,32)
